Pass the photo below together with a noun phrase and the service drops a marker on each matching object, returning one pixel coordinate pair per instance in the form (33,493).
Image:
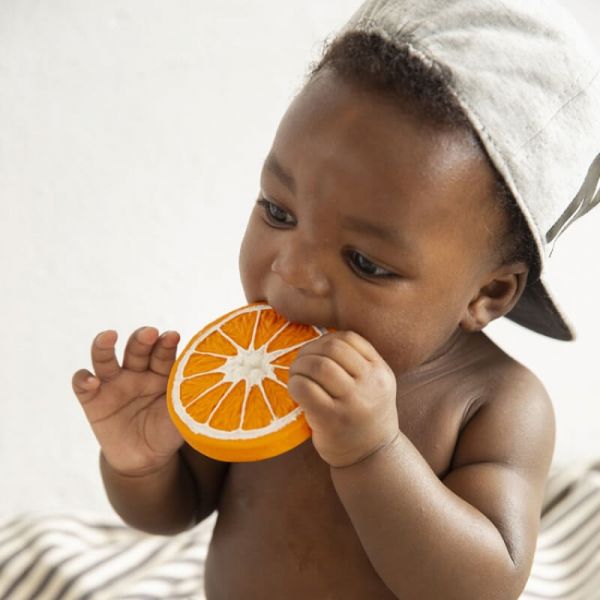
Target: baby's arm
(154,481)
(175,497)
(472,535)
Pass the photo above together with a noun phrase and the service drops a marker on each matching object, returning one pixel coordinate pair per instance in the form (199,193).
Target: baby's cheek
(253,261)
(405,344)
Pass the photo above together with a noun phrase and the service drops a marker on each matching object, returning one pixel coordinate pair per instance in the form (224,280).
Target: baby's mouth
(287,315)
(296,318)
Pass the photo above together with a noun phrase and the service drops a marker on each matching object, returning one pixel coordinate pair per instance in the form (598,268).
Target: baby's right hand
(126,405)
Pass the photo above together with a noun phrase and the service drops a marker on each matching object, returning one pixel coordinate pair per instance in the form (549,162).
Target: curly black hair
(369,59)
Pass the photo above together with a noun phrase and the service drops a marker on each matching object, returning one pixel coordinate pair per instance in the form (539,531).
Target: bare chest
(282,527)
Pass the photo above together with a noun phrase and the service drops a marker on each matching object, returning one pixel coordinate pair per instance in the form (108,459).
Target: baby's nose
(302,268)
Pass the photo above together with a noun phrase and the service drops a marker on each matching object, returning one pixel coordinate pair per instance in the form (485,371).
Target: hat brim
(537,311)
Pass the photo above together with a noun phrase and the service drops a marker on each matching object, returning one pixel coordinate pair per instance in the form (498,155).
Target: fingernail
(105,331)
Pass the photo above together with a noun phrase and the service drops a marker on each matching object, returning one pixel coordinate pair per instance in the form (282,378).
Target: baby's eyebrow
(380,231)
(273,165)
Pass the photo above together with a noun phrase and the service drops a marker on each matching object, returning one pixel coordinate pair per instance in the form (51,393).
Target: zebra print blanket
(83,557)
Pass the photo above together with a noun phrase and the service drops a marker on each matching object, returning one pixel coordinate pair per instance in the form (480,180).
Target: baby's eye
(274,213)
(367,268)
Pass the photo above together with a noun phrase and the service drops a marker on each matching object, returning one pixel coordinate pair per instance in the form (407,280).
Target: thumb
(84,384)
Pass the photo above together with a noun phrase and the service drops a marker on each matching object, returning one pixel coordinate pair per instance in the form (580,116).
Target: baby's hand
(126,405)
(348,394)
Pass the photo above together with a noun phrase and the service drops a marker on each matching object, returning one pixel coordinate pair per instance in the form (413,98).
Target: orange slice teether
(227,391)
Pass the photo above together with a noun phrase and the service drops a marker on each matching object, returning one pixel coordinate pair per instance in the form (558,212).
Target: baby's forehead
(387,123)
(333,141)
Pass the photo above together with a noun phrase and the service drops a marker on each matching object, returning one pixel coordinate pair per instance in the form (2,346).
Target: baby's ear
(496,297)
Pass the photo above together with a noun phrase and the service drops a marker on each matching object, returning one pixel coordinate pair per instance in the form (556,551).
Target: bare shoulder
(504,451)
(513,419)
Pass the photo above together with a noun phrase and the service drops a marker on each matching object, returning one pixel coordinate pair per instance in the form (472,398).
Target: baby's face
(369,219)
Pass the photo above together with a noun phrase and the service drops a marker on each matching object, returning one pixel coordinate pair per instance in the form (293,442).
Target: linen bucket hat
(528,80)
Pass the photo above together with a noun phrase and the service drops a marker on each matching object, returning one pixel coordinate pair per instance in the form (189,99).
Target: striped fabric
(84,557)
(567,559)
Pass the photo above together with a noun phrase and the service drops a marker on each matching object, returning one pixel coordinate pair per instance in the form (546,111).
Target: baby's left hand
(348,394)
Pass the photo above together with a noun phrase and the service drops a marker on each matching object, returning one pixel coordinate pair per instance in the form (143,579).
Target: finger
(139,349)
(104,360)
(310,396)
(359,343)
(330,376)
(164,353)
(343,353)
(84,385)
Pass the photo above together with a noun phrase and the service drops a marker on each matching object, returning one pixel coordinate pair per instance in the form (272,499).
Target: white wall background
(131,138)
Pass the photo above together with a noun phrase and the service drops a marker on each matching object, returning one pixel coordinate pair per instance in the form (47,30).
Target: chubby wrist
(161,501)
(372,453)
(139,474)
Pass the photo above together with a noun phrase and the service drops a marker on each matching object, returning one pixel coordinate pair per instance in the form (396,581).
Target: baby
(407,201)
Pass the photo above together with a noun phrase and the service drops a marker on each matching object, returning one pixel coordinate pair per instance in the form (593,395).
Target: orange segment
(292,335)
(195,386)
(269,324)
(282,375)
(228,414)
(240,329)
(216,344)
(286,359)
(257,411)
(227,391)
(201,363)
(278,397)
(203,405)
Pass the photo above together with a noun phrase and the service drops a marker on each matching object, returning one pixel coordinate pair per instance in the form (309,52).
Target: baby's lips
(292,318)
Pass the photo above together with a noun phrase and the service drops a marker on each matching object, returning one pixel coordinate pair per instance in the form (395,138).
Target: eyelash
(384,275)
(267,205)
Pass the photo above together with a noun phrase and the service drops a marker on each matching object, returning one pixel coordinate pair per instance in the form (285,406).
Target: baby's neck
(460,350)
